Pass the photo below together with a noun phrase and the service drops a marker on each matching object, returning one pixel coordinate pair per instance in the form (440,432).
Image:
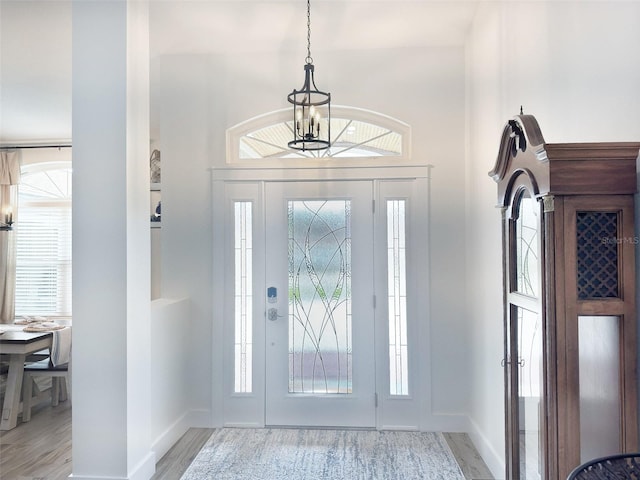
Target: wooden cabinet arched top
(561,168)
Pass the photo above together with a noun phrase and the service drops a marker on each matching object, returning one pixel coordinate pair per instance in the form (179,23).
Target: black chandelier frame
(311,107)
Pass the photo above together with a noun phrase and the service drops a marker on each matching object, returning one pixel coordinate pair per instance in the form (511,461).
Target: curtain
(9,179)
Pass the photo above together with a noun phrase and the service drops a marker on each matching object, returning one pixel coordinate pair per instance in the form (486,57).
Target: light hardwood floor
(470,461)
(41,449)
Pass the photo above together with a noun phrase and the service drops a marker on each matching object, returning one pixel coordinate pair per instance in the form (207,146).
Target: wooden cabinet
(569,300)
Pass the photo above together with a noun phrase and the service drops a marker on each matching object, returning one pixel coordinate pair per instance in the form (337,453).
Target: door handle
(504,362)
(272,314)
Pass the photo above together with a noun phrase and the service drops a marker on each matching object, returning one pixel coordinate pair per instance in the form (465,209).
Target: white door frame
(236,184)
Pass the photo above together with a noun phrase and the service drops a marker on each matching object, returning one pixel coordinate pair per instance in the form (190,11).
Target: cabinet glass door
(524,346)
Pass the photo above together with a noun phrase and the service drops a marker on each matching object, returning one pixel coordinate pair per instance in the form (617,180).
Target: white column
(111,251)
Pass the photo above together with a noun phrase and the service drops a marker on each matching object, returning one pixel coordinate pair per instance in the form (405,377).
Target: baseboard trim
(493,460)
(400,428)
(444,422)
(93,477)
(145,468)
(244,425)
(189,419)
(170,436)
(143,471)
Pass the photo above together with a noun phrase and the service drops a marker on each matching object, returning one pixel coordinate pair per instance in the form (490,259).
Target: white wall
(574,66)
(483,304)
(199,96)
(169,406)
(111,254)
(186,214)
(35,37)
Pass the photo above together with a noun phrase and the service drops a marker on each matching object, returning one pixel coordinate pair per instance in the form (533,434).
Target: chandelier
(311,107)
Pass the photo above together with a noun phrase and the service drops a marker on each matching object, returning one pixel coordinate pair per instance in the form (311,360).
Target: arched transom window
(356,134)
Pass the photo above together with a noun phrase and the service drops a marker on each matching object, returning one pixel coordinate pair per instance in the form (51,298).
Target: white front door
(308,337)
(319,327)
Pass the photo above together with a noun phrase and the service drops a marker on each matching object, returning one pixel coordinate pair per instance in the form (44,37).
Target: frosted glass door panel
(397,298)
(599,363)
(243,256)
(320,297)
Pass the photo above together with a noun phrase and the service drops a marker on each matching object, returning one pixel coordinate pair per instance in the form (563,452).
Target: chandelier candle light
(311,107)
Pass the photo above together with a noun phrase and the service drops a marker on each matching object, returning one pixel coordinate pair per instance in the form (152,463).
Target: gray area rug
(309,454)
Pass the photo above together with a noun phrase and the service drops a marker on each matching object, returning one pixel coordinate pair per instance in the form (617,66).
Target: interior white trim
(306,172)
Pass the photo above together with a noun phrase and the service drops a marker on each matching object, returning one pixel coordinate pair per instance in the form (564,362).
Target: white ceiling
(35,43)
(35,71)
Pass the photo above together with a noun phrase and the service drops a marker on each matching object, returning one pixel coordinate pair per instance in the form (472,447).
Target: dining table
(16,345)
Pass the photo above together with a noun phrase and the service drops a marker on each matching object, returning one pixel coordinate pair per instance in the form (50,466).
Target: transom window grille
(353,139)
(43,241)
(356,133)
(243,247)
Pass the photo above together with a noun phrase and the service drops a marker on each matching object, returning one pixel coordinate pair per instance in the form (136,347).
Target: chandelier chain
(311,125)
(309,59)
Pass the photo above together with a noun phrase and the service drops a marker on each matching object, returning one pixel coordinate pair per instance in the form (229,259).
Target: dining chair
(58,392)
(619,466)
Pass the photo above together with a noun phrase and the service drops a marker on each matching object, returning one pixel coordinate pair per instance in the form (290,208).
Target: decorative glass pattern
(351,138)
(41,183)
(530,381)
(243,298)
(527,247)
(320,356)
(397,288)
(597,255)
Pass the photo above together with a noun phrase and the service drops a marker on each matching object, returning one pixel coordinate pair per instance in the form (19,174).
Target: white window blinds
(43,238)
(43,262)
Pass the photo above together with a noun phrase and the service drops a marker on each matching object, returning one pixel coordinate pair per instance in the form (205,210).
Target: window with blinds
(43,243)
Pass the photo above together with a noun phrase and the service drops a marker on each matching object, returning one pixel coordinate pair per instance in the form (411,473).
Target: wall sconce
(7,223)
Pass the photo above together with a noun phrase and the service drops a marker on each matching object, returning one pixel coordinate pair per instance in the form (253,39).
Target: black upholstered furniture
(614,467)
